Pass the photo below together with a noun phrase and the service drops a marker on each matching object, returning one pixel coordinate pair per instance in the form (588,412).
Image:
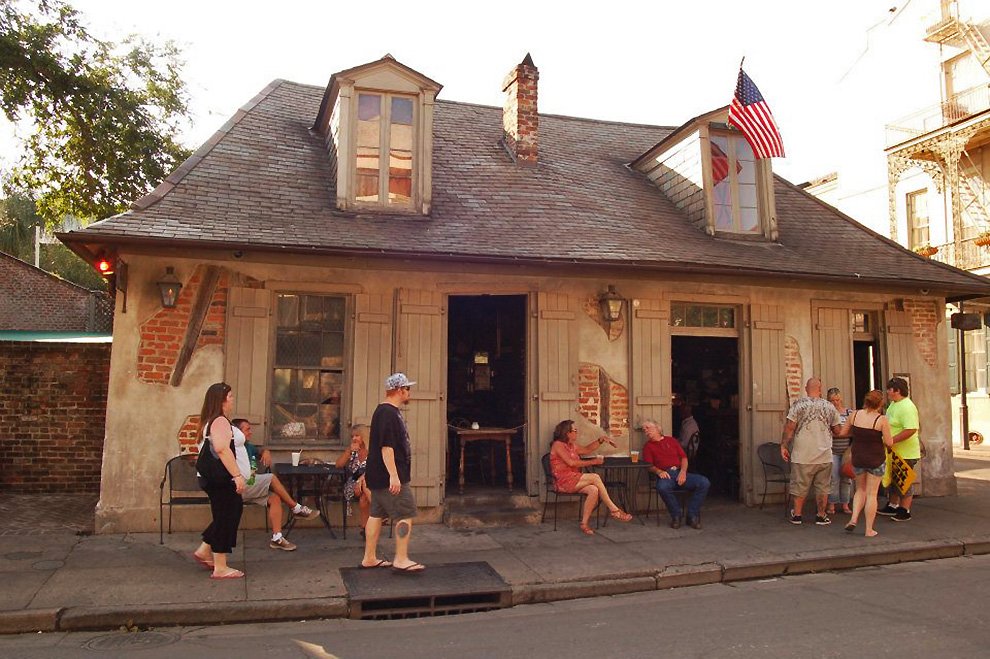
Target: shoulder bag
(212,472)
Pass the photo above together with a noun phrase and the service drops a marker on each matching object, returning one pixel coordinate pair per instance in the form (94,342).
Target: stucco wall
(145,419)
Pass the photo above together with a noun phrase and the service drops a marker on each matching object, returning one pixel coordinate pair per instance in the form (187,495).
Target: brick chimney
(520,120)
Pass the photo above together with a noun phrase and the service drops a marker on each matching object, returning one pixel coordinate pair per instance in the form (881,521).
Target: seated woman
(566,465)
(356,461)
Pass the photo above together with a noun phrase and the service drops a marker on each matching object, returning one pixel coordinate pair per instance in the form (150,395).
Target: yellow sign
(898,472)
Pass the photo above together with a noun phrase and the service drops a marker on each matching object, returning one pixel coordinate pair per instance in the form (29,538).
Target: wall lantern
(611,304)
(169,287)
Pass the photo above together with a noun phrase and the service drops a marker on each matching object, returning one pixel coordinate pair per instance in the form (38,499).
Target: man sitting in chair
(670,464)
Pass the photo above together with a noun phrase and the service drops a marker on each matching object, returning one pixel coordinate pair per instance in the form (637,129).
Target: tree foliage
(103,117)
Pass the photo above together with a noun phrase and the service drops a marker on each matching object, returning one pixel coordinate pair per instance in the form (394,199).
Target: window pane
(723,216)
(727,317)
(400,151)
(335,309)
(748,220)
(368,146)
(693,316)
(329,415)
(709,317)
(333,350)
(288,311)
(297,349)
(677,315)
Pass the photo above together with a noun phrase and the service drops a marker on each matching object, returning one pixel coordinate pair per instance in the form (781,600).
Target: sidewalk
(56,579)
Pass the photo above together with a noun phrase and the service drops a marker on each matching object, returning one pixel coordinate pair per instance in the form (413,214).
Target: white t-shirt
(815,418)
(240,453)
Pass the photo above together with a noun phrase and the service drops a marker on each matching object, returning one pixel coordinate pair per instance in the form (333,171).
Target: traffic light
(104,265)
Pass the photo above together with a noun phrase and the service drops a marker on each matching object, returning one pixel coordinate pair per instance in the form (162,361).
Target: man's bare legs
(371,532)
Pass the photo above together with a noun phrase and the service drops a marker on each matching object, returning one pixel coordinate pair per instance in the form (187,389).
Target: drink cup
(634,456)
(295,458)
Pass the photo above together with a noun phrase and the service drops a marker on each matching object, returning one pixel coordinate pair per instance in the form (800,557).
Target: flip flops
(415,568)
(233,574)
(381,563)
(202,561)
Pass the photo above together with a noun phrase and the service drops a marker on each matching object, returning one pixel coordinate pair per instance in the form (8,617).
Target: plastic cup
(634,456)
(295,458)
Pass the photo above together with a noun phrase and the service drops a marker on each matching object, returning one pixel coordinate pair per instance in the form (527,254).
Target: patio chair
(183,490)
(551,485)
(679,492)
(775,469)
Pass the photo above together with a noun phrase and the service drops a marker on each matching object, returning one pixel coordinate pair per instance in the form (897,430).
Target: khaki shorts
(803,477)
(394,506)
(258,493)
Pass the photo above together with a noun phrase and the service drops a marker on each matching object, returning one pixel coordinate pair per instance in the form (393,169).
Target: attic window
(384,149)
(734,191)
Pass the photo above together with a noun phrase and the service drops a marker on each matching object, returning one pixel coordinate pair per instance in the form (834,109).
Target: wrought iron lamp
(611,304)
(169,287)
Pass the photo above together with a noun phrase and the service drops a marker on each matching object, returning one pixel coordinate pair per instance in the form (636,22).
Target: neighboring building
(326,237)
(930,64)
(32,300)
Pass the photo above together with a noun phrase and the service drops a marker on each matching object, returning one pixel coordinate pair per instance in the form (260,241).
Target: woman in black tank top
(870,432)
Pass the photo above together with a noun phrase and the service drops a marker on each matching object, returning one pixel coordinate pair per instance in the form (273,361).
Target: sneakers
(795,519)
(902,515)
(282,544)
(888,510)
(675,523)
(306,513)
(822,520)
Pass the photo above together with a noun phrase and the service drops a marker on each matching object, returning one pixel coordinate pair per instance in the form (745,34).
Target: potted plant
(983,239)
(926,250)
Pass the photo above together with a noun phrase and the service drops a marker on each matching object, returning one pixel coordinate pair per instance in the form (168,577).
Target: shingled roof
(264,182)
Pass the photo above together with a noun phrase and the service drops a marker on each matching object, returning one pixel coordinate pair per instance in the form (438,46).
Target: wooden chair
(183,490)
(551,488)
(775,469)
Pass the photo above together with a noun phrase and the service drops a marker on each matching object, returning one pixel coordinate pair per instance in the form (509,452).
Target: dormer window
(734,196)
(376,120)
(384,149)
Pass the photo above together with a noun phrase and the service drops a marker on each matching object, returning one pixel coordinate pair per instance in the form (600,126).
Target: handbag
(212,472)
(847,464)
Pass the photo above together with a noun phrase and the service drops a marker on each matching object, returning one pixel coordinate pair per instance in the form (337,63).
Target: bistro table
(313,480)
(624,470)
(503,435)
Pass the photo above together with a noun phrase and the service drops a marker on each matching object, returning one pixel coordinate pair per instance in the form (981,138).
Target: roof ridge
(610,122)
(51,275)
(190,163)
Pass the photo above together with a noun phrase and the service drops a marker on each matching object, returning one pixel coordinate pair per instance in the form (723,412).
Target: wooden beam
(196,318)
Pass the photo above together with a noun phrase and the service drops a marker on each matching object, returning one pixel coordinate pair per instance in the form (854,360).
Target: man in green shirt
(903,417)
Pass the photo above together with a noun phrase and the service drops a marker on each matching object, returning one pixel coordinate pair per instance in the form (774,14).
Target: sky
(657,62)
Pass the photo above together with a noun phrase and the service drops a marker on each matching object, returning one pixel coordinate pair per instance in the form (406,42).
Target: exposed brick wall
(925,316)
(600,397)
(53,402)
(520,120)
(32,299)
(162,334)
(795,369)
(189,435)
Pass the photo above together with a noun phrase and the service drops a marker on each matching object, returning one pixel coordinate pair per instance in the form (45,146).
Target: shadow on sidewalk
(38,514)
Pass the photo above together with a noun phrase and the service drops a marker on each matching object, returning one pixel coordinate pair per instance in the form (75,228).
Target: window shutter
(247,356)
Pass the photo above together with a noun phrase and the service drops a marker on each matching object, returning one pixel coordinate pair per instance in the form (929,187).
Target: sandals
(587,530)
(620,515)
(202,561)
(850,527)
(231,574)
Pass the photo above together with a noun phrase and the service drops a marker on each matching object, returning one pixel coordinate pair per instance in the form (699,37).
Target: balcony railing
(960,106)
(969,256)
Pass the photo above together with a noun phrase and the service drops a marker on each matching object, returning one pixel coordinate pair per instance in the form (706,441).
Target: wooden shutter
(769,385)
(372,353)
(833,351)
(421,353)
(650,366)
(246,354)
(556,377)
(899,342)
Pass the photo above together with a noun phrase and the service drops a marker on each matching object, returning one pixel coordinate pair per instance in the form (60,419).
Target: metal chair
(775,469)
(679,492)
(551,485)
(180,474)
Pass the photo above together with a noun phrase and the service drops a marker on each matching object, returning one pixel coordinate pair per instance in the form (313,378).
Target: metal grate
(440,590)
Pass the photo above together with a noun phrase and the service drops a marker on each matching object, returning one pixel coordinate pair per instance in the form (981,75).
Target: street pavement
(58,576)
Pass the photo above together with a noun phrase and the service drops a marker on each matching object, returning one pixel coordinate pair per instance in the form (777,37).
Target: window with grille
(384,149)
(917,213)
(702,315)
(308,373)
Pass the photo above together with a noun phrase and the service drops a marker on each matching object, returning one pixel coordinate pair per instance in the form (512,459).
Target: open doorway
(705,376)
(486,389)
(866,362)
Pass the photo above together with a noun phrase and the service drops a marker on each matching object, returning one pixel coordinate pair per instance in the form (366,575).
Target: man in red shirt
(670,464)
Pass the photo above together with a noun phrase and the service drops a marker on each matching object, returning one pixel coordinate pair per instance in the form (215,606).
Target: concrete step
(492,517)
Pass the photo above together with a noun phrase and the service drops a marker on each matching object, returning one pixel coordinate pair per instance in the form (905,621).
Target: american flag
(750,114)
(720,164)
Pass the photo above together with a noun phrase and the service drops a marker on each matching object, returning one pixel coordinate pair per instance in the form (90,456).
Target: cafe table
(621,469)
(503,435)
(316,480)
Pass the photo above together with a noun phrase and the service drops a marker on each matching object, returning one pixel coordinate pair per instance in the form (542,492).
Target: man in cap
(387,477)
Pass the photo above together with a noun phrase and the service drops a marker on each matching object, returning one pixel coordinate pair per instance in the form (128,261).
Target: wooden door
(769,389)
(649,367)
(899,343)
(555,378)
(247,354)
(420,353)
(834,351)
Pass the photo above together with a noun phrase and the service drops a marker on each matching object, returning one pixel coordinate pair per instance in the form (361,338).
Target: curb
(673,576)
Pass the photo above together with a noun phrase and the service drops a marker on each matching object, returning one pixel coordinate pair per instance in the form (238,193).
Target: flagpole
(741,62)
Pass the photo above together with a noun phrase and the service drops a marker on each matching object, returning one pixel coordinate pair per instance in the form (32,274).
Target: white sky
(657,62)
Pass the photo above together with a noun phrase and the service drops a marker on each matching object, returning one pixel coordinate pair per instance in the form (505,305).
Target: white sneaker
(307,513)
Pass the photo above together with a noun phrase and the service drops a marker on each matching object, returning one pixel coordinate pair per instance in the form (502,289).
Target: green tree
(103,117)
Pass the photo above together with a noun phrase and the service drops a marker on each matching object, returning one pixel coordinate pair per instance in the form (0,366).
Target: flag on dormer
(751,115)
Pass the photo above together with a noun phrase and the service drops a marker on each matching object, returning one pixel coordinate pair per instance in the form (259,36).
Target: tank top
(867,446)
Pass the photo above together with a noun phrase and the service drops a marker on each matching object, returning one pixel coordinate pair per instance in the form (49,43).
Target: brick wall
(32,299)
(925,316)
(795,369)
(53,401)
(162,334)
(599,397)
(520,119)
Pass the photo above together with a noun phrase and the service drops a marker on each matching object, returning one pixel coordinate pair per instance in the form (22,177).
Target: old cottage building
(324,238)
